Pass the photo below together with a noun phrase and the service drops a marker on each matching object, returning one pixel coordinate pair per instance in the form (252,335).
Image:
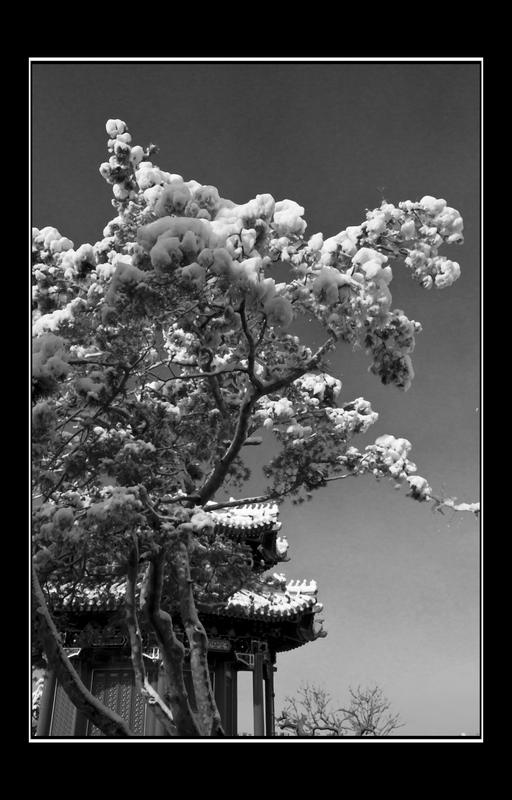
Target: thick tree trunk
(152,698)
(198,641)
(171,649)
(109,723)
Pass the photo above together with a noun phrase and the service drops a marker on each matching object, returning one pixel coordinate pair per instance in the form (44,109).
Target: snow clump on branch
(183,278)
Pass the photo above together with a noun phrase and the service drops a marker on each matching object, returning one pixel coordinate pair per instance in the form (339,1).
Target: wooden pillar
(46,706)
(218,666)
(257,694)
(269,699)
(84,671)
(234,698)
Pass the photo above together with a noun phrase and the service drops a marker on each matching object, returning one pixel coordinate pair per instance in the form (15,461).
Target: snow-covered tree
(163,350)
(367,714)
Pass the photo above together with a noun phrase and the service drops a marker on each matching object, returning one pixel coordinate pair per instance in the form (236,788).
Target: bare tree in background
(367,715)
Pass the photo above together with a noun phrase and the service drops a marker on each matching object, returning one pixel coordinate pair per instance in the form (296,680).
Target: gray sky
(400,586)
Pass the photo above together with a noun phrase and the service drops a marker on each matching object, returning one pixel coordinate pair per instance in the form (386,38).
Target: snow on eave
(248,516)
(302,588)
(297,598)
(69,594)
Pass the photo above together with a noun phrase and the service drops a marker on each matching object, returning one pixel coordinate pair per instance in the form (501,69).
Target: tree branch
(281,383)
(171,649)
(364,717)
(198,642)
(150,695)
(219,473)
(252,349)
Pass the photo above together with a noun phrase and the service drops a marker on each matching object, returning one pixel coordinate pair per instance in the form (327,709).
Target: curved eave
(281,634)
(89,605)
(270,614)
(250,531)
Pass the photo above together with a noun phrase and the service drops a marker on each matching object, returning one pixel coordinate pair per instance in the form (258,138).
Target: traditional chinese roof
(89,598)
(276,600)
(257,524)
(269,599)
(249,518)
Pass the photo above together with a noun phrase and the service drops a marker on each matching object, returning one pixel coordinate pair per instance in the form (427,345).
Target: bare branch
(365,717)
(252,349)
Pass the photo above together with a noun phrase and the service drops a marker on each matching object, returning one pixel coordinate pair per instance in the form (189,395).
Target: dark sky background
(400,586)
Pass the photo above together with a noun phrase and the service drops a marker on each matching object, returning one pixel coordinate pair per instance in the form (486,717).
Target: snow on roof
(275,598)
(288,601)
(89,596)
(246,517)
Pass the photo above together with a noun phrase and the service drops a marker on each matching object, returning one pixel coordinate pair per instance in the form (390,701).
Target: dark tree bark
(152,698)
(198,641)
(171,649)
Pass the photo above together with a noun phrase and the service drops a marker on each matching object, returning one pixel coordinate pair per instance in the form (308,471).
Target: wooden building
(247,633)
